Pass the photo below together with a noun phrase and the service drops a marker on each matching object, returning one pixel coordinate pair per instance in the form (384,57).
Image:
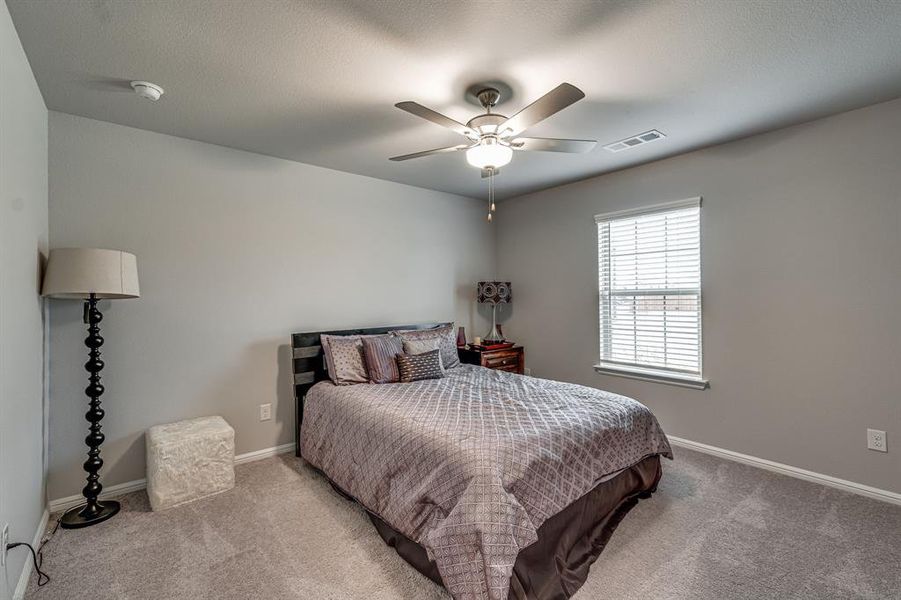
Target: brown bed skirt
(556,566)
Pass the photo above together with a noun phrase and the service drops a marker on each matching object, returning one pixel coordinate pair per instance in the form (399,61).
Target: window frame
(643,372)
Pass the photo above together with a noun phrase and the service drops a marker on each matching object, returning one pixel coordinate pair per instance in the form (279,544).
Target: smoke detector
(148,90)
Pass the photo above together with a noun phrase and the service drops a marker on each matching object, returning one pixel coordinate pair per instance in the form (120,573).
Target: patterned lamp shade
(495,292)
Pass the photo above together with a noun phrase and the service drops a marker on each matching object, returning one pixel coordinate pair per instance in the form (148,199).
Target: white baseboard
(247,457)
(119,489)
(22,585)
(769,465)
(111,491)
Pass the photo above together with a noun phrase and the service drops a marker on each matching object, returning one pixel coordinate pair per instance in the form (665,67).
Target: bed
(492,484)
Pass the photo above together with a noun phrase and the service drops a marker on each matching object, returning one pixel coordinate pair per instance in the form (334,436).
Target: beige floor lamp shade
(79,272)
(91,274)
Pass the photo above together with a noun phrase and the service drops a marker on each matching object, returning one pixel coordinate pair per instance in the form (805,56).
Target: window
(649,279)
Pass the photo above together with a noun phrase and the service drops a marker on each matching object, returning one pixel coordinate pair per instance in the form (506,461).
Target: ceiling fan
(494,137)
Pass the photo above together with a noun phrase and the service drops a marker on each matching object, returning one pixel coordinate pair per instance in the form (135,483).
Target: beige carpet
(715,530)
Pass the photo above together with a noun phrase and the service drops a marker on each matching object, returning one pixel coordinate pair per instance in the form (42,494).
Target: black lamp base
(80,516)
(92,511)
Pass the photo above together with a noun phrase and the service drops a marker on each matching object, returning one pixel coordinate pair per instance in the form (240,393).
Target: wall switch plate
(876,440)
(4,541)
(265,412)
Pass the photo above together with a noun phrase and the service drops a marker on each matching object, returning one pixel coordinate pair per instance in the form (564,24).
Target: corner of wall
(24,243)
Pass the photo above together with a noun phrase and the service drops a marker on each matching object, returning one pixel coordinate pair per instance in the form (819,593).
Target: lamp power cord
(37,556)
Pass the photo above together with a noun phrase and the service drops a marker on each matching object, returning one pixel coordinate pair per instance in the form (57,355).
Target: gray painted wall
(801,237)
(23,247)
(235,251)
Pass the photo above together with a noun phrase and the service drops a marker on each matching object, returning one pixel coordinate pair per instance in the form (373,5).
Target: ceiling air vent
(636,140)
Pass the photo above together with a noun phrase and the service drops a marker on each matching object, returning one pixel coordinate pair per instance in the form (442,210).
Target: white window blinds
(649,278)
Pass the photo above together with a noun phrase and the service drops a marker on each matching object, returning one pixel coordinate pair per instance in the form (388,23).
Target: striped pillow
(380,352)
(416,367)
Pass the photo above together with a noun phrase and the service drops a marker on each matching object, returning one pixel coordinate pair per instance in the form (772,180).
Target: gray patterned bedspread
(469,466)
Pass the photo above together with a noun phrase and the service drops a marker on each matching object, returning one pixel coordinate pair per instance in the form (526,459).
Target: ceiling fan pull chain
(491,179)
(490,193)
(489,199)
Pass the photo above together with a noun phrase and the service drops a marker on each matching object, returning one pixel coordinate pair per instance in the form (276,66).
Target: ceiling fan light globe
(489,156)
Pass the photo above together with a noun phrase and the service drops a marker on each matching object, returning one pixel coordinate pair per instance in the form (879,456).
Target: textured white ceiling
(316,81)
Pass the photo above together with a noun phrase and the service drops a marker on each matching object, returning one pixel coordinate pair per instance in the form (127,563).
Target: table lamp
(91,274)
(494,293)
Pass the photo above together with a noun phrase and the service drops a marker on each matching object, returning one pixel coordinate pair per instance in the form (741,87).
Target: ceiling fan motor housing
(486,123)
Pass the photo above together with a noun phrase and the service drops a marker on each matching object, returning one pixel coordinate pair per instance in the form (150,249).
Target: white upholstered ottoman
(189,460)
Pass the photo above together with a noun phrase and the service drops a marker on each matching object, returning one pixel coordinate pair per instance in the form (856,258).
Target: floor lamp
(91,274)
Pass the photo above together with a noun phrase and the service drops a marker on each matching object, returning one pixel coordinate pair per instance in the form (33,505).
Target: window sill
(687,381)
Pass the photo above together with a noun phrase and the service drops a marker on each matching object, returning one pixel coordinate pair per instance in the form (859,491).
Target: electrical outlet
(4,541)
(265,412)
(527,371)
(876,440)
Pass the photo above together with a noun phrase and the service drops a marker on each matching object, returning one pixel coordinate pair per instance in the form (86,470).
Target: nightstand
(512,359)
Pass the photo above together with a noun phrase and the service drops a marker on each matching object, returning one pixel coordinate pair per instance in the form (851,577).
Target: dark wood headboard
(308,363)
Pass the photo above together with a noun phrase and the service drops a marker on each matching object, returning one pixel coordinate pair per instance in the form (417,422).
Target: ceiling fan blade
(437,118)
(553,145)
(553,102)
(430,152)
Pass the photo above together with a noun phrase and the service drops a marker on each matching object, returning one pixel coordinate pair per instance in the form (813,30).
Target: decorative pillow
(416,367)
(423,346)
(449,358)
(380,352)
(326,357)
(344,359)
